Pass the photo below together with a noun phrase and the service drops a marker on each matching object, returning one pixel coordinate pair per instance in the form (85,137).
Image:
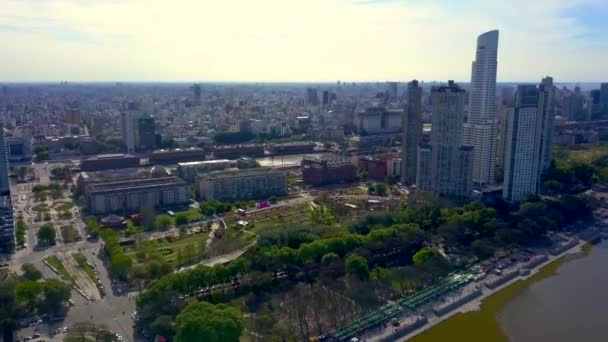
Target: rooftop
(240,173)
(110,156)
(134,184)
(204,162)
(178,150)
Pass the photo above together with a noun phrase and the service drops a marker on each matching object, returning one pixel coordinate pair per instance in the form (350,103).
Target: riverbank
(482,324)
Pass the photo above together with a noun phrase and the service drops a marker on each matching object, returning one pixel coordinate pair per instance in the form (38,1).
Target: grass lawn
(63,206)
(284,217)
(81,260)
(54,261)
(190,247)
(582,153)
(192,214)
(232,241)
(41,208)
(65,215)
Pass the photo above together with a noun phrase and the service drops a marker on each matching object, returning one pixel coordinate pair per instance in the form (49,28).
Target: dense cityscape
(343,211)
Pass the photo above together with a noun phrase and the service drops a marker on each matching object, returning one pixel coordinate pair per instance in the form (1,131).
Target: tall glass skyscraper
(480,130)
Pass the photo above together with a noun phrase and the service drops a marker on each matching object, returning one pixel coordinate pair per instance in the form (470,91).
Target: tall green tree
(162,222)
(357,265)
(216,323)
(181,219)
(47,234)
(30,272)
(423,255)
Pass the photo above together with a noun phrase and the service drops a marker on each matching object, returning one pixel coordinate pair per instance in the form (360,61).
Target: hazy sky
(298,40)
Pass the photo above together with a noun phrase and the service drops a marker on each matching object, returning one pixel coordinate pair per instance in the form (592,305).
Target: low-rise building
(130,190)
(109,162)
(328,171)
(292,148)
(243,184)
(237,151)
(379,167)
(166,157)
(188,171)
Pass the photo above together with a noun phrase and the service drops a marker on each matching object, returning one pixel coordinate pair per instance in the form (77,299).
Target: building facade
(129,191)
(603,99)
(378,120)
(547,117)
(128,132)
(18,150)
(523,158)
(243,184)
(145,136)
(412,133)
(446,161)
(573,106)
(480,130)
(328,171)
(109,162)
(7,225)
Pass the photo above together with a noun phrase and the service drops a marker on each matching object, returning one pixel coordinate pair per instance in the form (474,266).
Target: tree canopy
(216,323)
(357,265)
(47,234)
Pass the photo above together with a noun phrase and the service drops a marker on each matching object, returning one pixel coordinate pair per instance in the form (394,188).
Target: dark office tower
(146,133)
(547,117)
(594,104)
(196,91)
(604,99)
(312,97)
(7,227)
(412,133)
(325,97)
(523,161)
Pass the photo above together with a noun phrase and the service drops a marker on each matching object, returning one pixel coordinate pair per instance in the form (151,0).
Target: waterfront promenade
(472,294)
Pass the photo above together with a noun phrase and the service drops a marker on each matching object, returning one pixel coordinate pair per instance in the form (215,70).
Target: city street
(112,311)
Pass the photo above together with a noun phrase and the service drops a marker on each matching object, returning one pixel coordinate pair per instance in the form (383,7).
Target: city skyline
(326,41)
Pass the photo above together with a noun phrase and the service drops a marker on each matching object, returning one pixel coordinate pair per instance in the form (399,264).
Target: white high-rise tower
(480,130)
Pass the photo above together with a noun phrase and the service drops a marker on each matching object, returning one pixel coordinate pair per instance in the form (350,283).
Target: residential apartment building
(480,130)
(412,133)
(445,166)
(243,184)
(523,158)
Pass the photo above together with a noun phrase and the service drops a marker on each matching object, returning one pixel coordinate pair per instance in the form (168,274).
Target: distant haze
(306,40)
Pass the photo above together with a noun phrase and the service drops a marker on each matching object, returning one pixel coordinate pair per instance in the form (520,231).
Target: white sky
(297,40)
